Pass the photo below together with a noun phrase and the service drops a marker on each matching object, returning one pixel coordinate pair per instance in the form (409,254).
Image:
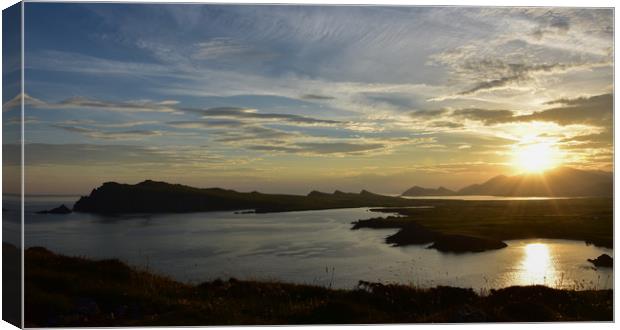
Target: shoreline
(73,291)
(485,225)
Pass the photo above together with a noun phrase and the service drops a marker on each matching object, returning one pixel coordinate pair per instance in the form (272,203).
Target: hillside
(560,182)
(161,197)
(421,191)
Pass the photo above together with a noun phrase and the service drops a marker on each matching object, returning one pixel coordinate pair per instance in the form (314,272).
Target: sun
(536,157)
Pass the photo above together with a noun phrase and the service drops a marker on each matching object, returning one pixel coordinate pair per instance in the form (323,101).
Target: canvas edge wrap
(12,164)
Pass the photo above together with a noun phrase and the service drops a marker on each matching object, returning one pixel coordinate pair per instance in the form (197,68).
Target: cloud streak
(245,113)
(109,135)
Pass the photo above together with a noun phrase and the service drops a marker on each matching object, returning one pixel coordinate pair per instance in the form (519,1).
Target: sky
(297,98)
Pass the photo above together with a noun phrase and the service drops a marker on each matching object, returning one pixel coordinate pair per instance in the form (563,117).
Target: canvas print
(239,164)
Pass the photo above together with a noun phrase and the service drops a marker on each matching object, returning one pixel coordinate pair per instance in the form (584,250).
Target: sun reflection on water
(537,266)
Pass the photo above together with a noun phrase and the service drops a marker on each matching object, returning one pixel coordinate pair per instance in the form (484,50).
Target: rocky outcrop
(62,209)
(604,260)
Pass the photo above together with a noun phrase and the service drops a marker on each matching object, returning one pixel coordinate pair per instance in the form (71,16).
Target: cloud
(446,124)
(45,154)
(316,97)
(208,124)
(228,49)
(18,120)
(518,73)
(51,60)
(555,25)
(593,110)
(488,117)
(341,147)
(324,148)
(16,101)
(108,135)
(531,50)
(94,123)
(129,106)
(245,113)
(256,133)
(84,102)
(605,137)
(169,106)
(427,113)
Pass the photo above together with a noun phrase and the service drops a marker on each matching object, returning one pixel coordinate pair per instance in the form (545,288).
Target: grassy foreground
(70,291)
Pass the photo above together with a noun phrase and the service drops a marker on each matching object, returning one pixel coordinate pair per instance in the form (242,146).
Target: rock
(604,260)
(62,209)
(412,233)
(463,243)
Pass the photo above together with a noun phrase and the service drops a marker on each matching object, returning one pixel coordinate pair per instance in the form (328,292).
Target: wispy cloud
(517,74)
(95,123)
(109,135)
(245,113)
(130,106)
(486,116)
(594,110)
(82,154)
(322,148)
(88,103)
(16,102)
(228,49)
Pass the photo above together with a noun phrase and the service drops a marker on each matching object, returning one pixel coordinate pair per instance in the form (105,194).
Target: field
(584,219)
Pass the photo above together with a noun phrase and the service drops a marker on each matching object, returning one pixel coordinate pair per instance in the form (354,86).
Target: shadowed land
(11,284)
(450,225)
(473,226)
(562,181)
(161,197)
(70,291)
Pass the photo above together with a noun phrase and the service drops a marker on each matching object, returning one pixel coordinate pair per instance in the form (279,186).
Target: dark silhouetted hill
(161,197)
(560,182)
(420,191)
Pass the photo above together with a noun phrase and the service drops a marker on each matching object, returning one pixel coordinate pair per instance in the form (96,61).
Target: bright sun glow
(535,158)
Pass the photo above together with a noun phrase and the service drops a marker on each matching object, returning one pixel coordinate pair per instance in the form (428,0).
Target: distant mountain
(161,197)
(420,191)
(560,182)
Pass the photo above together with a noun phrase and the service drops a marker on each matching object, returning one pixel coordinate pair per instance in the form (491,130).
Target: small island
(604,260)
(62,209)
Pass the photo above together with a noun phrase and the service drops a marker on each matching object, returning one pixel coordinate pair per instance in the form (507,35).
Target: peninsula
(161,197)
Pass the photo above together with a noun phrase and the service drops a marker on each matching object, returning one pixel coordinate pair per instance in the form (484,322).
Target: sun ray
(535,157)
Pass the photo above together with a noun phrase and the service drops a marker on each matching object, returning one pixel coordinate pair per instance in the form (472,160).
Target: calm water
(315,247)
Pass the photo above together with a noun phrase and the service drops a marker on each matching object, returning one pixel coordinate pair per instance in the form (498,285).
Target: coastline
(72,291)
(486,224)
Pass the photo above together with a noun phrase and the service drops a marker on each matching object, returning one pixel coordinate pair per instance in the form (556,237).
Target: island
(604,260)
